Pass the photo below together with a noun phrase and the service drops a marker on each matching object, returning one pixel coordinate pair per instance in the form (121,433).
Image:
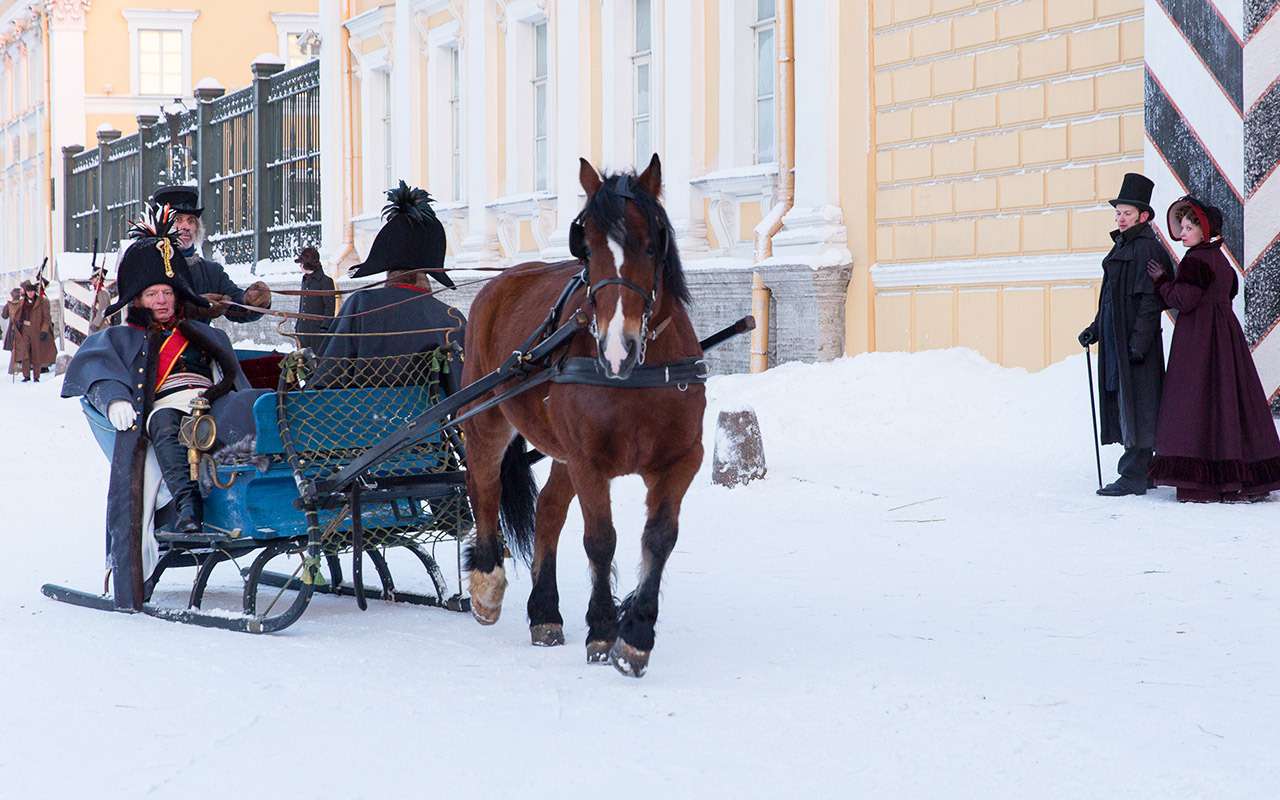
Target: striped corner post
(1213,130)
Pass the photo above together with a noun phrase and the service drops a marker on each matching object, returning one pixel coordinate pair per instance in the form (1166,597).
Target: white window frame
(292,24)
(140,19)
(520,18)
(642,58)
(541,162)
(372,25)
(759,27)
(447,150)
(618,102)
(457,121)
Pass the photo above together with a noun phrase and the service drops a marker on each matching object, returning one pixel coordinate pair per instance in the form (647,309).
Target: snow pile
(923,598)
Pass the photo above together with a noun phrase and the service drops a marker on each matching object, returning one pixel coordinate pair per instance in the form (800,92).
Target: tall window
(384,81)
(641,68)
(455,118)
(766,57)
(540,106)
(160,62)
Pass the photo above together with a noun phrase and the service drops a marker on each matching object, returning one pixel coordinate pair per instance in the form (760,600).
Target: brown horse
(636,302)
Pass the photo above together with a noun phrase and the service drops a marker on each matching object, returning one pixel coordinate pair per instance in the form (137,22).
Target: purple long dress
(1215,438)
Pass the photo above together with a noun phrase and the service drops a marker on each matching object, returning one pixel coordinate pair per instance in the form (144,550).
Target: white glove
(122,414)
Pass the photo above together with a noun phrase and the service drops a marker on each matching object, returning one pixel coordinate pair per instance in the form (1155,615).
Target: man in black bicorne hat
(401,317)
(208,278)
(1127,331)
(142,376)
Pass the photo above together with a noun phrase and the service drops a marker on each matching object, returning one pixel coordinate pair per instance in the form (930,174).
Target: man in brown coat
(32,324)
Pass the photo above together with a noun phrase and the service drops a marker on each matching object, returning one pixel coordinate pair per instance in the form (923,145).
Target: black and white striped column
(1213,130)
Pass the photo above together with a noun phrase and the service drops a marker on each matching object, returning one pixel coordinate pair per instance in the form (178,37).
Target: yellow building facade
(70,68)
(953,156)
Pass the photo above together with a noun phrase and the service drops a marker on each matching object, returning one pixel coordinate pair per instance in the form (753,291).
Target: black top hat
(182,199)
(1209,217)
(1135,191)
(153,259)
(411,238)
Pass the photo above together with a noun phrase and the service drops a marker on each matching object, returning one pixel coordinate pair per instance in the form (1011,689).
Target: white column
(615,108)
(813,230)
(570,107)
(67,115)
(333,178)
(683,119)
(405,97)
(479,25)
(517,126)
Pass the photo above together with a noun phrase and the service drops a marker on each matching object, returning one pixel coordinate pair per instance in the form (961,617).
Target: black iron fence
(253,153)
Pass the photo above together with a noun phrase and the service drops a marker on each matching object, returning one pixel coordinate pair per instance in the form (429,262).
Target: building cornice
(1026,269)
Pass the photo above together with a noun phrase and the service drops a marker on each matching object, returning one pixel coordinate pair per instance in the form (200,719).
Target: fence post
(69,154)
(145,168)
(206,92)
(105,137)
(265,150)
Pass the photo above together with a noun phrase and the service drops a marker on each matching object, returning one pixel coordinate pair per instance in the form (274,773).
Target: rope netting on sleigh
(331,410)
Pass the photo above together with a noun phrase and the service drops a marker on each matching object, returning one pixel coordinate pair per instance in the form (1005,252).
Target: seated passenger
(143,376)
(401,317)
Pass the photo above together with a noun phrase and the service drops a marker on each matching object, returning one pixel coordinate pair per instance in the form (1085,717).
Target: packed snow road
(923,599)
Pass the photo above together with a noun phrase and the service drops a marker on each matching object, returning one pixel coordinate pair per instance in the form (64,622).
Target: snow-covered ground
(923,599)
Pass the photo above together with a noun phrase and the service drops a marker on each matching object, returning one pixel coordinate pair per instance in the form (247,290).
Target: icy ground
(924,599)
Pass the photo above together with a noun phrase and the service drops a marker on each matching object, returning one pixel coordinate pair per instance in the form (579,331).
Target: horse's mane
(606,209)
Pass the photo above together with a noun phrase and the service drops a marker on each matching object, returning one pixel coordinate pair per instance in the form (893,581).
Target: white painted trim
(530,12)
(431,7)
(367,24)
(129,104)
(292,23)
(151,19)
(1027,269)
(446,36)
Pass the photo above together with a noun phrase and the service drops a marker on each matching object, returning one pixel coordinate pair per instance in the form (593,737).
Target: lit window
(766,58)
(641,66)
(540,106)
(455,118)
(160,62)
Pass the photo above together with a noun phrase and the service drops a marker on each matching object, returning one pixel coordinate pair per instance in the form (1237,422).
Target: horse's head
(625,239)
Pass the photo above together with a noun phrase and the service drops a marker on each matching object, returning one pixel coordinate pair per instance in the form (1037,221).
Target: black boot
(172,455)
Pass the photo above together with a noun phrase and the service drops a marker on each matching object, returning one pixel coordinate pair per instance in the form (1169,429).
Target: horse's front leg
(546,626)
(630,653)
(488,577)
(600,540)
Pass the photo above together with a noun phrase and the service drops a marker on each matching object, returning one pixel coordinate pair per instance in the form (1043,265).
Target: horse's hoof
(598,652)
(629,660)
(548,634)
(485,616)
(487,589)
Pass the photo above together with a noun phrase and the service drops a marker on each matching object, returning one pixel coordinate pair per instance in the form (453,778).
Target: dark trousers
(172,455)
(1133,467)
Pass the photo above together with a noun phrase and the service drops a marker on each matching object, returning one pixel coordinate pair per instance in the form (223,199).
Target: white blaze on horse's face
(614,345)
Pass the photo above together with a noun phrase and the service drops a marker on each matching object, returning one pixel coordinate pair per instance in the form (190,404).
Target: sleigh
(270,513)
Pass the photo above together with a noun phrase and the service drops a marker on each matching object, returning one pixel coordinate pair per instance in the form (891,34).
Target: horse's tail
(519,501)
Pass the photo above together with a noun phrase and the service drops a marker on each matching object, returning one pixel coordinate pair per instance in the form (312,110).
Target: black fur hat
(153,258)
(411,238)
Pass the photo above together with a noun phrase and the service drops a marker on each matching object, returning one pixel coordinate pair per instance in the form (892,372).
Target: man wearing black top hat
(401,317)
(208,278)
(1127,331)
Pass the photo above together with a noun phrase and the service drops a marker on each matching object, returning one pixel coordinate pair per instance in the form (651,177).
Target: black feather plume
(413,202)
(156,222)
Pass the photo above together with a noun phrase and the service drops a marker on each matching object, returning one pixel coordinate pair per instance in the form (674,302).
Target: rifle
(97,279)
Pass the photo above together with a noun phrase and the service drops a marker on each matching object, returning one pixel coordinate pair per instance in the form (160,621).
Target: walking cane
(1093,412)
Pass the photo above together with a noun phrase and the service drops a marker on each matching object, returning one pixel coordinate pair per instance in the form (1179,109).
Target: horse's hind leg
(600,540)
(630,654)
(486,443)
(546,626)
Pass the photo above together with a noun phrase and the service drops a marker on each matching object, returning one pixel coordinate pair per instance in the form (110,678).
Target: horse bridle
(579,249)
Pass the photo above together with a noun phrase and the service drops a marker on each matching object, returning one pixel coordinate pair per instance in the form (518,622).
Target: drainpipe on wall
(772,222)
(760,298)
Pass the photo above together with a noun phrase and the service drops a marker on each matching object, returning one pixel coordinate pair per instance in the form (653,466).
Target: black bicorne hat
(182,199)
(153,258)
(411,238)
(1209,217)
(1135,191)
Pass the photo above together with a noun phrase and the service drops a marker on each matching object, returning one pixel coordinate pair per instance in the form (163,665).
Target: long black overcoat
(209,277)
(119,363)
(1137,349)
(323,305)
